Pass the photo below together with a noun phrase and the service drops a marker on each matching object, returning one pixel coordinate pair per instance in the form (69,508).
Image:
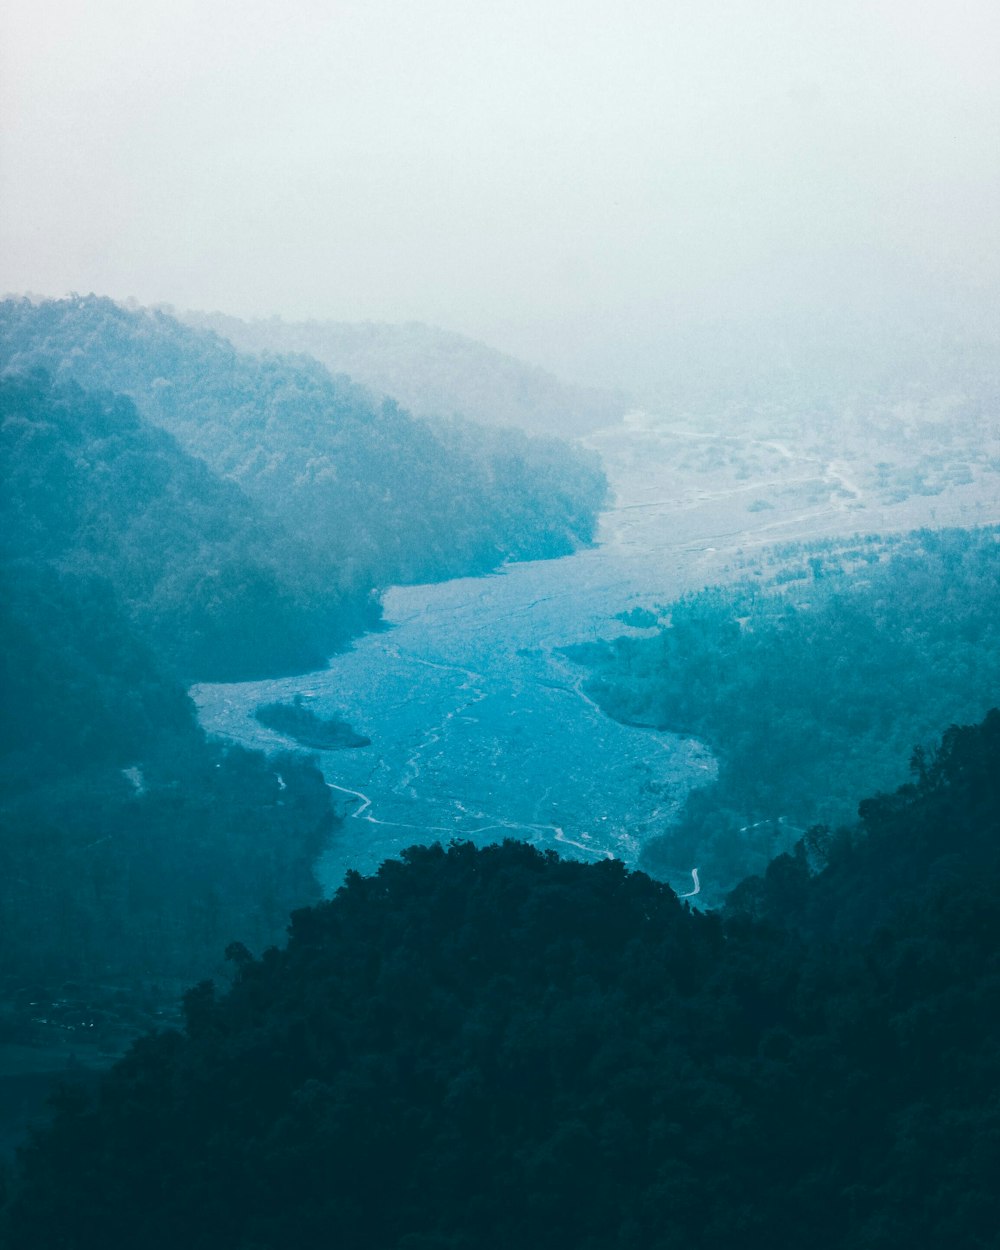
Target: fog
(584,184)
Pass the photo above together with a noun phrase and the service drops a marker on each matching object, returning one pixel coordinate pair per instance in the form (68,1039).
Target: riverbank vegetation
(495,1047)
(811,685)
(130,845)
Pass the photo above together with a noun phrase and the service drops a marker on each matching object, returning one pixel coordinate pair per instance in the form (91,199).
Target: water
(481,729)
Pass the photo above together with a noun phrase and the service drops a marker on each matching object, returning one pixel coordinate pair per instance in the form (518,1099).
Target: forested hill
(131,850)
(493,1047)
(218,589)
(366,486)
(432,372)
(811,686)
(914,850)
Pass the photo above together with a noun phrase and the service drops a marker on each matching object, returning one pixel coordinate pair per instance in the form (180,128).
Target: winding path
(697,885)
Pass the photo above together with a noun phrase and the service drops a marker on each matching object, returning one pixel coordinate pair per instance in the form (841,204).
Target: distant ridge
(372,493)
(432,372)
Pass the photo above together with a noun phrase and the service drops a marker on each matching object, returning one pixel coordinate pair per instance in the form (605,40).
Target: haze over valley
(500,603)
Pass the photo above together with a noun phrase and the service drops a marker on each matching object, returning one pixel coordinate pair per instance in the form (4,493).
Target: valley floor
(481,729)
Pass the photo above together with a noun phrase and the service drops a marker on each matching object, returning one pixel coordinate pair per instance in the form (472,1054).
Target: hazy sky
(566,180)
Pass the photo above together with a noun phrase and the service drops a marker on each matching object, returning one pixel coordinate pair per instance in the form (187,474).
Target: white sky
(566,180)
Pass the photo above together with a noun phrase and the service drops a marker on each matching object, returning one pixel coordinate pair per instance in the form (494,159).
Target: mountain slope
(220,590)
(432,372)
(367,487)
(810,687)
(130,847)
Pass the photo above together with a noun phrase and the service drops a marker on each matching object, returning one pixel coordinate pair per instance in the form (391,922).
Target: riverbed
(482,729)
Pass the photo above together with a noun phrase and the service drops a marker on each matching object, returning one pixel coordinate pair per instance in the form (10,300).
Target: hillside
(930,847)
(218,588)
(432,372)
(369,489)
(810,685)
(494,1048)
(130,847)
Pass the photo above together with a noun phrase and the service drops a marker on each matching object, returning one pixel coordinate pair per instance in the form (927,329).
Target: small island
(297,721)
(638,618)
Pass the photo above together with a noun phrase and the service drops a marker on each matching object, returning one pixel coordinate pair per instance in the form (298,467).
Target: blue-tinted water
(480,729)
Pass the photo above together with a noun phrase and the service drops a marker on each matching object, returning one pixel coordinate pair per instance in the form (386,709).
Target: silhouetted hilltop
(493,1047)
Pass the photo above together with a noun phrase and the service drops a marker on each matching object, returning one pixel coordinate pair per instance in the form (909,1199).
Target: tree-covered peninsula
(810,684)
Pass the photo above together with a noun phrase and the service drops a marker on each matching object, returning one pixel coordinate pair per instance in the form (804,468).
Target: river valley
(481,729)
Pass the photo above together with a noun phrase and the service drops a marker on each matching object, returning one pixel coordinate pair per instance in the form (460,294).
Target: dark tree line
(486,1048)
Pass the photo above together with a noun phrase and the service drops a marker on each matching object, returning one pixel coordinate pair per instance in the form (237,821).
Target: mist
(592,187)
(500,593)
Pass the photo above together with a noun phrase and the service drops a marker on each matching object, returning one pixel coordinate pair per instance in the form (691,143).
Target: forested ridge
(374,493)
(810,686)
(218,589)
(494,1047)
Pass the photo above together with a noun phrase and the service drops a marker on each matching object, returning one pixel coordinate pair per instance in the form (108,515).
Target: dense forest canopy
(220,589)
(811,687)
(494,1048)
(131,847)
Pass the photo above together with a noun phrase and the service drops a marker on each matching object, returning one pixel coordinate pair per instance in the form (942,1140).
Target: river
(481,729)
